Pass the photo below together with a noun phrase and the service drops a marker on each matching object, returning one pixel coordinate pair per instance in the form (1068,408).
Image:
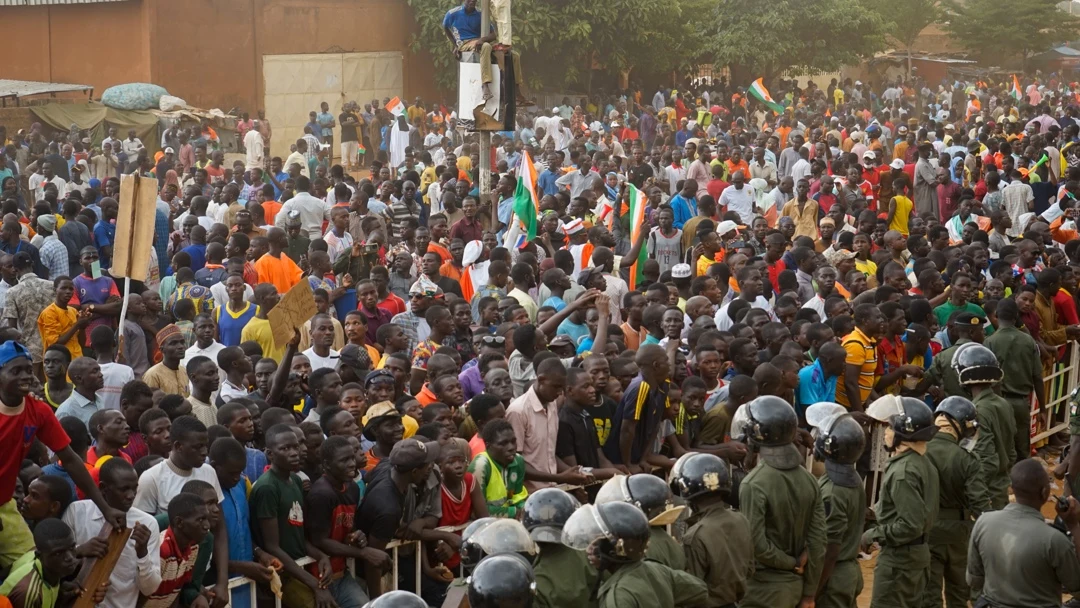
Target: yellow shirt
(464,163)
(861,351)
(52,322)
(838,96)
(869,268)
(260,331)
(169,381)
(903,213)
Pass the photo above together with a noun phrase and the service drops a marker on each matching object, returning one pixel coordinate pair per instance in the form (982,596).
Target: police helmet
(766,421)
(909,418)
(976,364)
(546,511)
(503,536)
(502,580)
(844,443)
(701,474)
(471,553)
(961,415)
(397,599)
(620,529)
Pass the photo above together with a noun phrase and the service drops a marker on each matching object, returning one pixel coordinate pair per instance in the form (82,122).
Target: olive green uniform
(994,448)
(786,517)
(941,372)
(1020,361)
(962,497)
(564,577)
(905,514)
(664,549)
(719,551)
(845,514)
(648,584)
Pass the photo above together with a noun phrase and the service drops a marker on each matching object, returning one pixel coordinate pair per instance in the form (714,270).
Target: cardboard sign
(134,227)
(290,314)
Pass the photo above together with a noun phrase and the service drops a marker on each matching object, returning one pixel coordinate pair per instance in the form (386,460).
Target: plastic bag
(168,103)
(133,96)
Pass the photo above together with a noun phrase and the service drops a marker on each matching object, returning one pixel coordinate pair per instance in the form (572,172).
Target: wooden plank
(101,569)
(134,227)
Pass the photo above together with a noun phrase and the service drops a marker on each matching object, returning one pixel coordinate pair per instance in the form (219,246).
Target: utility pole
(485,136)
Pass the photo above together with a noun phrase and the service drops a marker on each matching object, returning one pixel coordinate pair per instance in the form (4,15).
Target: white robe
(399,140)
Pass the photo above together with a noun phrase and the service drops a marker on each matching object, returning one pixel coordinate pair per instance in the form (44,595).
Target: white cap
(868,154)
(725,227)
(858,83)
(950,127)
(680,271)
(169,151)
(555,110)
(897,164)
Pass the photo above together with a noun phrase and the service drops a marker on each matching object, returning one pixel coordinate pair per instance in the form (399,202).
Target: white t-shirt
(318,362)
(739,201)
(161,482)
(115,375)
(724,323)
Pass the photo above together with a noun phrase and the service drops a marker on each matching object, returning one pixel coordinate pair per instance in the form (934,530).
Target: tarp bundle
(96,118)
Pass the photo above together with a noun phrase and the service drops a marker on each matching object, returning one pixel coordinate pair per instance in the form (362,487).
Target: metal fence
(1054,415)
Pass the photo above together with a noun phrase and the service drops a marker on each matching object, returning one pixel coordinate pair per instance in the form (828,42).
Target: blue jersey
(231,324)
(462,24)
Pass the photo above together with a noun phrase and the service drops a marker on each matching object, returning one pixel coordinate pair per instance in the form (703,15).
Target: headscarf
(424,287)
(171,178)
(472,252)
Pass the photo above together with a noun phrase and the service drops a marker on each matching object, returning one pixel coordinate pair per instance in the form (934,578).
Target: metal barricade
(1054,416)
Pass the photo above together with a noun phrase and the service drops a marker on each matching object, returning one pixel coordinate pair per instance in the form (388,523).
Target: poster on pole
(134,227)
(471,92)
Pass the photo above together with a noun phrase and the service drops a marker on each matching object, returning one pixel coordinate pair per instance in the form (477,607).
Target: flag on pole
(760,93)
(1015,92)
(638,201)
(522,227)
(395,106)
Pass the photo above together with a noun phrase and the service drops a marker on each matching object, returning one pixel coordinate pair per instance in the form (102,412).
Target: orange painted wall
(208,52)
(81,43)
(222,67)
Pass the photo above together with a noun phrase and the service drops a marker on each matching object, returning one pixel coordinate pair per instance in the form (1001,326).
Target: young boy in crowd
(500,470)
(189,524)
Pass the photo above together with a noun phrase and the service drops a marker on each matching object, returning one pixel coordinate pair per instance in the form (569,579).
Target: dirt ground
(1050,460)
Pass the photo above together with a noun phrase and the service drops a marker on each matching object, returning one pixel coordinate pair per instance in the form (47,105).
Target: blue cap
(12,350)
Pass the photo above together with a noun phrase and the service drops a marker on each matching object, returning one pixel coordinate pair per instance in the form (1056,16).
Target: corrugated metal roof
(25,88)
(51,2)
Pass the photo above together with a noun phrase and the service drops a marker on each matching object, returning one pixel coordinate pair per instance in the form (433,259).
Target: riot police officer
(995,449)
(718,547)
(615,537)
(782,502)
(962,497)
(840,442)
(908,503)
(502,580)
(564,576)
(397,599)
(650,494)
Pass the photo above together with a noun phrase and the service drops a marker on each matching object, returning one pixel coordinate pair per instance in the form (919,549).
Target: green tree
(792,35)
(997,33)
(560,41)
(905,20)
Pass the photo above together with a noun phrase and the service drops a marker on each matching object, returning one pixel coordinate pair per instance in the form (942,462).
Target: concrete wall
(208,52)
(96,44)
(222,66)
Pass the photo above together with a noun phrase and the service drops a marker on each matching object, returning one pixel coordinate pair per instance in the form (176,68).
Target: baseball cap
(680,271)
(838,255)
(868,154)
(586,274)
(169,151)
(950,127)
(383,409)
(22,259)
(725,227)
(378,376)
(410,454)
(897,163)
(351,356)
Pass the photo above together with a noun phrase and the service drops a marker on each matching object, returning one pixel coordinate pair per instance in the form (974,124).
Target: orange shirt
(52,322)
(282,272)
(443,252)
(270,210)
(741,166)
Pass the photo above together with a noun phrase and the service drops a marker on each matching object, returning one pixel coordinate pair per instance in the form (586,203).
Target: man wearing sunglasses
(422,295)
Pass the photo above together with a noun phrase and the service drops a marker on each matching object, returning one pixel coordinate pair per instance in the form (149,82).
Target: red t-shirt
(392,304)
(456,512)
(18,427)
(92,457)
(716,187)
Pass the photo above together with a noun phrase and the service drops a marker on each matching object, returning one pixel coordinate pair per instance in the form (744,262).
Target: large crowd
(603,414)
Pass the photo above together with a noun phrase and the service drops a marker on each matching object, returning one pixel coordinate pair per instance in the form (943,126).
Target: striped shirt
(176,570)
(644,404)
(861,351)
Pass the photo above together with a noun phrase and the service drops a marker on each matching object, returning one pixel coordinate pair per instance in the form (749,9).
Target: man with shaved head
(85,399)
(275,267)
(1014,558)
